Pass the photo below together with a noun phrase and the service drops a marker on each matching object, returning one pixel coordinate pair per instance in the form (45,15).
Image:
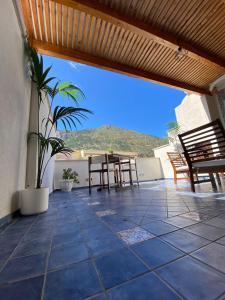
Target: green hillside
(114,138)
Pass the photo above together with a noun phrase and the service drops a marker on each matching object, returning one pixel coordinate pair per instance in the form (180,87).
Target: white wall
(192,112)
(148,169)
(161,154)
(14,112)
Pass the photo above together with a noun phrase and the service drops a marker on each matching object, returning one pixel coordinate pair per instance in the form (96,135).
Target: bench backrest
(204,143)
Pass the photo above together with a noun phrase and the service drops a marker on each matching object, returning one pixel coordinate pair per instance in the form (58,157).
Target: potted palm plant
(69,178)
(35,199)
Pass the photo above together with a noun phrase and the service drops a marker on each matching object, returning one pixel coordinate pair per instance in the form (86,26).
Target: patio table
(121,164)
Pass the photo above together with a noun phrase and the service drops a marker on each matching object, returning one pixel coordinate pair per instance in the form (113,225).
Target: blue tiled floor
(71,252)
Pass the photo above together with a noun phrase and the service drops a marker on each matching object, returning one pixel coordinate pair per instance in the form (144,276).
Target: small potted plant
(69,178)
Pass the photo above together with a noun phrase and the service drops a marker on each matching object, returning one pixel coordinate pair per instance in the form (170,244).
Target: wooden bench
(204,150)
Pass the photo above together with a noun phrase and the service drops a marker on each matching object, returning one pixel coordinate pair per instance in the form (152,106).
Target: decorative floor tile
(135,235)
(193,280)
(94,203)
(107,212)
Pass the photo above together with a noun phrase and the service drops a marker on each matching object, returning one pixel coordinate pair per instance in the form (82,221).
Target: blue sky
(119,100)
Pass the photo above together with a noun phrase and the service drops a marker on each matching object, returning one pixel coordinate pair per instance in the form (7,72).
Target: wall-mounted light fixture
(181,52)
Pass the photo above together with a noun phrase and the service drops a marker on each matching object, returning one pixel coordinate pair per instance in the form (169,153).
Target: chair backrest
(204,143)
(176,159)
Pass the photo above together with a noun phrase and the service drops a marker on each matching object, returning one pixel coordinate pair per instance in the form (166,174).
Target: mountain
(112,138)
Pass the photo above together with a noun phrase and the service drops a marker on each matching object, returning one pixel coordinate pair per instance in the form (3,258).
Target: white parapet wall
(148,169)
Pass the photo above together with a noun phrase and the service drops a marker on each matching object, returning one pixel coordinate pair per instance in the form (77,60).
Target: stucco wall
(148,169)
(192,112)
(14,112)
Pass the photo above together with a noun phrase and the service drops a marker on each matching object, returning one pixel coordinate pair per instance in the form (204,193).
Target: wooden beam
(78,56)
(99,10)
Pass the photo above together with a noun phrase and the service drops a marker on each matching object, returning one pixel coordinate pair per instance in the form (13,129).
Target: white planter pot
(66,185)
(34,201)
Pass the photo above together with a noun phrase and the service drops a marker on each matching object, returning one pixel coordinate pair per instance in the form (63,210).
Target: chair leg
(192,182)
(175,177)
(212,178)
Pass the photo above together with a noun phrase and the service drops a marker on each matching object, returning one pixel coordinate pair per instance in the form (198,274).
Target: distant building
(84,154)
(191,113)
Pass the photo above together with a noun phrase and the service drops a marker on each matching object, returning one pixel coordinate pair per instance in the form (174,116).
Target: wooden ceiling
(140,38)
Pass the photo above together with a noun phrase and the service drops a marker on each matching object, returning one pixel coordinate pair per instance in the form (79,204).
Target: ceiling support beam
(98,10)
(78,56)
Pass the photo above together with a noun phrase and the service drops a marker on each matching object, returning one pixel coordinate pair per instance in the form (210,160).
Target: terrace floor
(152,242)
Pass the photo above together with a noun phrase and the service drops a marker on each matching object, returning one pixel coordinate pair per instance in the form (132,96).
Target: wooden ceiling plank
(101,36)
(64,25)
(78,56)
(35,18)
(109,40)
(87,32)
(40,16)
(135,50)
(53,21)
(27,15)
(141,28)
(75,29)
(127,44)
(145,48)
(118,44)
(70,27)
(59,24)
(200,20)
(91,34)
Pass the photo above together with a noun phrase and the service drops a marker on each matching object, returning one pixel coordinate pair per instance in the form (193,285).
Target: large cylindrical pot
(66,185)
(34,201)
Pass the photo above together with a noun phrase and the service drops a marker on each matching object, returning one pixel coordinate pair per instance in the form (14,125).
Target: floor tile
(107,212)
(98,297)
(184,240)
(156,253)
(23,267)
(180,222)
(119,266)
(213,255)
(193,279)
(209,232)
(64,238)
(67,254)
(218,222)
(195,216)
(32,247)
(145,287)
(159,227)
(23,290)
(221,241)
(77,282)
(103,246)
(134,235)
